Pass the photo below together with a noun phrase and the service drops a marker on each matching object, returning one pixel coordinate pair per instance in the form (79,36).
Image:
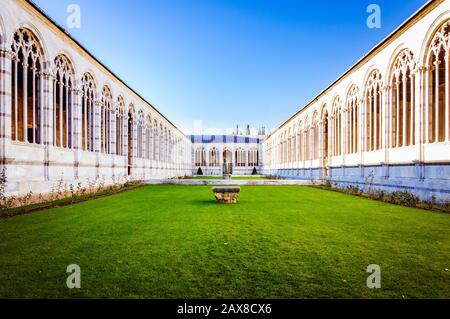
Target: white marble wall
(39,167)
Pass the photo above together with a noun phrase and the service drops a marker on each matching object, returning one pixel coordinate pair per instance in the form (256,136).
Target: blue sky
(229,62)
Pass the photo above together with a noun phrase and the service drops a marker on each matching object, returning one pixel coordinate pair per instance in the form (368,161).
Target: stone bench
(226,194)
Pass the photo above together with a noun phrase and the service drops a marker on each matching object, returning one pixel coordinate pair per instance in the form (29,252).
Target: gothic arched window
(148,138)
(140,135)
(105,115)
(26,100)
(63,117)
(337,133)
(352,120)
(88,112)
(120,125)
(240,158)
(214,157)
(373,111)
(200,157)
(437,113)
(253,157)
(315,136)
(401,128)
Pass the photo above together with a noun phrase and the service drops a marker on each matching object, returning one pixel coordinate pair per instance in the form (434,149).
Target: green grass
(176,242)
(249,178)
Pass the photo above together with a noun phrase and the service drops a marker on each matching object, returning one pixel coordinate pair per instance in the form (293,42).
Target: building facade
(233,154)
(384,124)
(66,118)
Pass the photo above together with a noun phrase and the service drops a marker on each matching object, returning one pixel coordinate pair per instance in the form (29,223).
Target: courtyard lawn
(176,242)
(249,178)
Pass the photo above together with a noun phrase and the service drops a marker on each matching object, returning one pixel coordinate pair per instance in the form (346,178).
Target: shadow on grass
(204,202)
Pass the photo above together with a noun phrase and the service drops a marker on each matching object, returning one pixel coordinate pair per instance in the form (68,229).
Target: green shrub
(354,190)
(404,198)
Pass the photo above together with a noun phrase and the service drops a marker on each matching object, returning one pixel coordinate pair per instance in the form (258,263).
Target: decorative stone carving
(226,194)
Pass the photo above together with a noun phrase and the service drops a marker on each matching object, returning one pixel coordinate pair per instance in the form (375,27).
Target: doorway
(227,162)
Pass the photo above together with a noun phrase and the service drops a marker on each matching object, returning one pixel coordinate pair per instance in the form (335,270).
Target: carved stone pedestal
(226,194)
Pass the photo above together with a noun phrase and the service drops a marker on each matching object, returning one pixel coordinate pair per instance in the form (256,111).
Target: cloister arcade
(240,154)
(386,119)
(384,124)
(66,116)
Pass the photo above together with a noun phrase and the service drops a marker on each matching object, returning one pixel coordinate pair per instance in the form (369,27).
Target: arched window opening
(241,160)
(200,157)
(337,135)
(166,145)
(289,147)
(63,103)
(438,115)
(300,142)
(373,112)
(149,138)
(253,157)
(140,136)
(402,124)
(120,124)
(315,137)
(88,112)
(105,123)
(26,106)
(352,120)
(214,157)
(155,140)
(308,143)
(294,144)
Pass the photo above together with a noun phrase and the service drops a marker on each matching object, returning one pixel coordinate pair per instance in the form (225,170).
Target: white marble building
(385,123)
(65,117)
(233,154)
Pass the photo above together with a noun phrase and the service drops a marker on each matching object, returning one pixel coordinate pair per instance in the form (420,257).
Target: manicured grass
(176,242)
(208,177)
(250,178)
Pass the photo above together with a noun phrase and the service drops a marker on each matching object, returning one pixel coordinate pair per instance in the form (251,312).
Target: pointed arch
(214,157)
(253,157)
(337,126)
(353,119)
(63,106)
(120,125)
(105,120)
(241,158)
(401,128)
(140,134)
(373,111)
(315,135)
(437,113)
(155,140)
(88,88)
(149,137)
(26,100)
(200,157)
(307,138)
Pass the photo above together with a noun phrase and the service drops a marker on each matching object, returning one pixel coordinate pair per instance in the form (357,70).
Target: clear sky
(228,62)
